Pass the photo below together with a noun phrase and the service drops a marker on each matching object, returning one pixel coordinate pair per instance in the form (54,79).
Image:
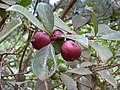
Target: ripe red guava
(56,35)
(40,39)
(70,50)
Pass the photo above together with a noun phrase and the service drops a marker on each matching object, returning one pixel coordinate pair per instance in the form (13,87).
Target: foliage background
(97,23)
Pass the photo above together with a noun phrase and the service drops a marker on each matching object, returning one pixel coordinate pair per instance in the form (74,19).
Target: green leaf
(79,38)
(27,14)
(60,24)
(78,21)
(46,15)
(106,75)
(9,2)
(103,52)
(4,6)
(112,36)
(10,28)
(40,62)
(104,29)
(81,71)
(25,2)
(69,82)
(94,19)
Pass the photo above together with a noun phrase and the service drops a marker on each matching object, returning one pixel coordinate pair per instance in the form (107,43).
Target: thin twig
(17,74)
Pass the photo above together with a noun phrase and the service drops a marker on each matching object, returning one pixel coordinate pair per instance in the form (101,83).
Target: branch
(106,67)
(56,6)
(26,61)
(67,8)
(17,74)
(27,43)
(36,6)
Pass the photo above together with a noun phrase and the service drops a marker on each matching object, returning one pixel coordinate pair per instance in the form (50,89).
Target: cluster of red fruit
(69,50)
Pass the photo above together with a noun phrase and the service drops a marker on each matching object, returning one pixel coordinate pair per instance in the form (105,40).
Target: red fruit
(72,33)
(40,40)
(56,35)
(70,51)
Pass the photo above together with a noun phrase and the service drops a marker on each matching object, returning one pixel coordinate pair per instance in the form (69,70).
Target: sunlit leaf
(103,52)
(69,82)
(106,75)
(10,28)
(81,71)
(46,15)
(27,14)
(112,36)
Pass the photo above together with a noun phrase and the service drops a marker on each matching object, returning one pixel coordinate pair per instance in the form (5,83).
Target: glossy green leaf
(69,82)
(78,21)
(112,36)
(46,15)
(60,24)
(79,38)
(103,52)
(94,19)
(80,71)
(106,75)
(104,29)
(25,2)
(27,14)
(10,28)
